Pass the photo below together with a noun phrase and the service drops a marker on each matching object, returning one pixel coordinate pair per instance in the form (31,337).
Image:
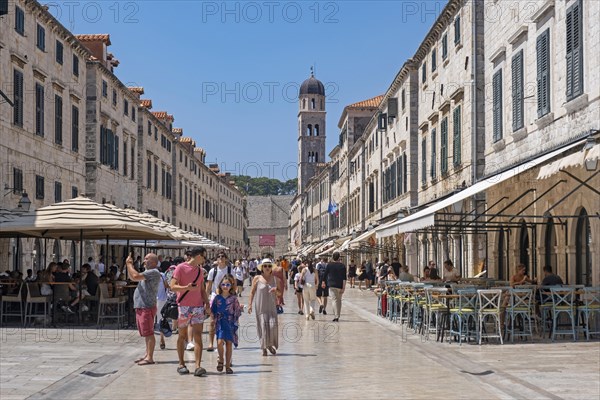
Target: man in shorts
(188,283)
(144,302)
(322,288)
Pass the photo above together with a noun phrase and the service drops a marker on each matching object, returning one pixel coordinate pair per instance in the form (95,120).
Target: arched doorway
(524,248)
(56,251)
(38,259)
(502,259)
(550,258)
(583,259)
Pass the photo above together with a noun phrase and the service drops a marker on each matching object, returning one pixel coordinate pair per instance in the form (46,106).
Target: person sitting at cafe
(62,273)
(404,275)
(426,274)
(550,279)
(520,277)
(451,274)
(433,275)
(90,279)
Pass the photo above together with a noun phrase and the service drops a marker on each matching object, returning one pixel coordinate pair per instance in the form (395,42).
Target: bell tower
(311,129)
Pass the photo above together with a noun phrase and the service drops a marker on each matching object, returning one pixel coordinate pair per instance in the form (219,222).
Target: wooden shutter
(424,160)
(433,154)
(574,51)
(18,98)
(457,136)
(543,73)
(57,119)
(74,128)
(39,109)
(517,91)
(444,146)
(457,30)
(116,157)
(497,105)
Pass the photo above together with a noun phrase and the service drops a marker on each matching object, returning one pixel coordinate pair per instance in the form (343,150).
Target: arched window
(316,157)
(502,259)
(321,104)
(583,260)
(309,130)
(304,104)
(524,248)
(317,130)
(312,104)
(550,244)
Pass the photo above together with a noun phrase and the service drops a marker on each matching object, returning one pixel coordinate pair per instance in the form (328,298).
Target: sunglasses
(222,256)
(267,266)
(226,284)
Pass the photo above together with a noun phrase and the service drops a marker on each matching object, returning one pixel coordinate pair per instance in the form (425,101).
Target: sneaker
(190,347)
(84,308)
(324,312)
(320,309)
(67,309)
(301,312)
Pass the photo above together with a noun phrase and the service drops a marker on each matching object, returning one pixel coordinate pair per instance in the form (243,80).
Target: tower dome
(312,86)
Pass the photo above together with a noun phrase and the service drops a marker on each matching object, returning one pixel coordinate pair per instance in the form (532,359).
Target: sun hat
(264,261)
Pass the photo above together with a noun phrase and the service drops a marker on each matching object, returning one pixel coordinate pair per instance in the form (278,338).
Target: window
(58,119)
(445,46)
(423,161)
(433,60)
(133,113)
(59,52)
(424,73)
(19,21)
(126,107)
(57,192)
(574,51)
(517,91)
(163,182)
(74,128)
(155,178)
(149,128)
(17,180)
(149,174)
(39,187)
(497,105)
(104,89)
(457,31)
(444,146)
(433,154)
(75,65)
(156,133)
(543,73)
(115,161)
(456,121)
(39,109)
(74,192)
(41,38)
(18,98)
(403,99)
(114,97)
(124,157)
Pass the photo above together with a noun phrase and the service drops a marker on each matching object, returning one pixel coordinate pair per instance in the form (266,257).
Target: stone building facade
(483,150)
(75,129)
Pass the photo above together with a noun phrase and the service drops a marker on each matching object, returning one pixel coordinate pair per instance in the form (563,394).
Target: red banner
(266,240)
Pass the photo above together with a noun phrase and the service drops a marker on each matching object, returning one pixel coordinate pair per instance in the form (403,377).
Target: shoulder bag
(170,309)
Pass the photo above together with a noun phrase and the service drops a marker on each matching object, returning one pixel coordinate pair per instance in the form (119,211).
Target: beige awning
(576,159)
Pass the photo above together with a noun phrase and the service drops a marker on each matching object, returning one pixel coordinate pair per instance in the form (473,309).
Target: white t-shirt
(100,267)
(221,272)
(239,273)
(452,276)
(297,280)
(309,278)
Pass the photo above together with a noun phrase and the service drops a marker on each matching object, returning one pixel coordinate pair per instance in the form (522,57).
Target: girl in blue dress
(226,311)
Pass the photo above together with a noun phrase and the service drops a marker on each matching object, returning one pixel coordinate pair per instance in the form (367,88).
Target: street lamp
(24,203)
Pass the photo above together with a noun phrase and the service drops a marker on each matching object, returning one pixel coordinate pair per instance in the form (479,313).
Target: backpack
(214,272)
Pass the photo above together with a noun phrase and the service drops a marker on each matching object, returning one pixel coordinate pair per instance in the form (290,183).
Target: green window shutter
(58,119)
(497,105)
(433,154)
(517,91)
(543,73)
(424,160)
(444,147)
(457,136)
(39,109)
(574,51)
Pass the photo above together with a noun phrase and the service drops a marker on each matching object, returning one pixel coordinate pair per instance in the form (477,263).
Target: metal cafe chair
(463,315)
(489,301)
(8,300)
(520,305)
(590,310)
(563,303)
(32,302)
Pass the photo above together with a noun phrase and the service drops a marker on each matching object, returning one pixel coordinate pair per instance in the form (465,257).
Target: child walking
(226,311)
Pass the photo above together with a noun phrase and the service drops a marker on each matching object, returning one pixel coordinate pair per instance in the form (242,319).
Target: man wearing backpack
(222,267)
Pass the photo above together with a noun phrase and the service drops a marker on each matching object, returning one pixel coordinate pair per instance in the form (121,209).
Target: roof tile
(103,37)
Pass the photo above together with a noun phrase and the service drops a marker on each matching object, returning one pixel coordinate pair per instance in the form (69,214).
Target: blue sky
(229,71)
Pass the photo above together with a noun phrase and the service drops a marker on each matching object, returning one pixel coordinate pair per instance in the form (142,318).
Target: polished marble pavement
(362,356)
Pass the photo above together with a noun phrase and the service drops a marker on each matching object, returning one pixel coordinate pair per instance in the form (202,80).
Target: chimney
(98,44)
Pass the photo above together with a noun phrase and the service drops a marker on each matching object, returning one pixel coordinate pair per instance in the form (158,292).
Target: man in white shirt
(451,274)
(100,266)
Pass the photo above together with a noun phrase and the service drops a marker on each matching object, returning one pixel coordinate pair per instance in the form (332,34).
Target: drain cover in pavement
(98,374)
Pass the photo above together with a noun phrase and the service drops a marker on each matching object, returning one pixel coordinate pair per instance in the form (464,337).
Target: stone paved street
(362,356)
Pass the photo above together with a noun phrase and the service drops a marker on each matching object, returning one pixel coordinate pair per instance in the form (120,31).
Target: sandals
(228,370)
(145,362)
(220,365)
(199,371)
(272,350)
(183,370)
(162,346)
(210,349)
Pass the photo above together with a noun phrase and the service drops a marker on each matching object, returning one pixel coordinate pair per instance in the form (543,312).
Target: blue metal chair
(434,308)
(463,314)
(520,305)
(563,303)
(590,309)
(489,302)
